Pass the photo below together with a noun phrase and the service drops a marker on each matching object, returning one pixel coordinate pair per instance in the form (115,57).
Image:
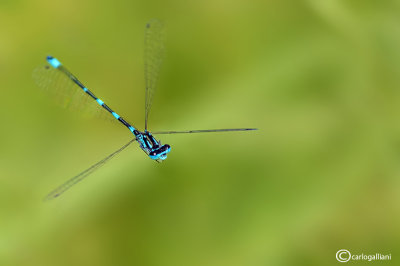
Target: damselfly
(54,76)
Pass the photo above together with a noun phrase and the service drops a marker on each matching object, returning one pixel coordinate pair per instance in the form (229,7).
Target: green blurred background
(320,79)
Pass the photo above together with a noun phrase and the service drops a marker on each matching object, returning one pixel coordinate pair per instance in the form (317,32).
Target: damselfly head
(160,154)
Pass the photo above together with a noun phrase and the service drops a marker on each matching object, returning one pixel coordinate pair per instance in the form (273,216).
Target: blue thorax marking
(147,142)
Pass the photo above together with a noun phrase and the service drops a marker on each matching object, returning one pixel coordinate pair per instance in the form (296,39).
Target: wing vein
(79,177)
(203,131)
(153,58)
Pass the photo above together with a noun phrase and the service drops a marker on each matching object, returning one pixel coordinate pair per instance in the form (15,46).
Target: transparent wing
(153,57)
(67,185)
(66,93)
(203,131)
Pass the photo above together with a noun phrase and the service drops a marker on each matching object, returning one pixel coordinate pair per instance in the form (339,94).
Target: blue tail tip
(53,61)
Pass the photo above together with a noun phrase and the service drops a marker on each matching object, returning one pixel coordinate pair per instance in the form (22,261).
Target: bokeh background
(320,79)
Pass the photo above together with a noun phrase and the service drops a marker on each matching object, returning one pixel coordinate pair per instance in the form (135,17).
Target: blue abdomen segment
(115,115)
(53,61)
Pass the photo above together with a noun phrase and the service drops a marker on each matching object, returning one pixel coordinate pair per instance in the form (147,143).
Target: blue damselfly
(54,76)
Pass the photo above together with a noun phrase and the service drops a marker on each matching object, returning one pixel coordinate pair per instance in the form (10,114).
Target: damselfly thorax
(152,147)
